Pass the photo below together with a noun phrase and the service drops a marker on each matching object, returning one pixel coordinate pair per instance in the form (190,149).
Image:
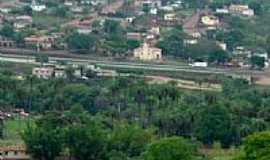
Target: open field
(12,130)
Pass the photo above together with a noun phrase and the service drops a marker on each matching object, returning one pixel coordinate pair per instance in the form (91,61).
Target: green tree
(129,140)
(172,43)
(86,141)
(7,31)
(44,139)
(81,43)
(174,148)
(257,62)
(257,146)
(213,124)
(218,56)
(28,10)
(112,27)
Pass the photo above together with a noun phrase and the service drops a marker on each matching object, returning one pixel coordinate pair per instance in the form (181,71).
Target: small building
(42,42)
(155,30)
(37,7)
(148,53)
(199,64)
(248,12)
(43,72)
(222,45)
(170,17)
(6,42)
(14,153)
(210,20)
(6,7)
(60,73)
(222,11)
(134,36)
(190,41)
(22,22)
(242,10)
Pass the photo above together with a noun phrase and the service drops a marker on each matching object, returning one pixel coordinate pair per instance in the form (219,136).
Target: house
(6,42)
(155,30)
(130,19)
(14,153)
(240,50)
(260,53)
(37,7)
(210,20)
(43,72)
(77,9)
(134,36)
(190,41)
(222,45)
(222,11)
(150,3)
(170,17)
(43,42)
(248,12)
(6,7)
(60,72)
(147,53)
(84,30)
(199,64)
(154,11)
(22,22)
(241,9)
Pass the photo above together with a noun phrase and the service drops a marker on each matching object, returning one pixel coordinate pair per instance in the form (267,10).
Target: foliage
(256,146)
(172,43)
(45,139)
(257,62)
(129,140)
(173,148)
(81,43)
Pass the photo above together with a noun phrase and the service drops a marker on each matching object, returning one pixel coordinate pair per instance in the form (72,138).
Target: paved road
(131,65)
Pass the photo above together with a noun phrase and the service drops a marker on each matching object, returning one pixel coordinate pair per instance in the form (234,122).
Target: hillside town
(120,28)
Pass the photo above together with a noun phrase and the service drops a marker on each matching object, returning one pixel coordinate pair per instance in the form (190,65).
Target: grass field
(217,153)
(12,130)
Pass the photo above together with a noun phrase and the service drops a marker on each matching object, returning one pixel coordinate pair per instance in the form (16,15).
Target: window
(15,152)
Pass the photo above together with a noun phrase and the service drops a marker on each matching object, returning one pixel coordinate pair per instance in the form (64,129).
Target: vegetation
(126,117)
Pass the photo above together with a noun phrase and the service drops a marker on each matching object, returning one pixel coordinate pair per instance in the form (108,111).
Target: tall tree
(174,148)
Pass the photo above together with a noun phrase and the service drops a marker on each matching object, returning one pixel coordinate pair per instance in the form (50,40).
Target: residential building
(14,153)
(242,10)
(6,7)
(222,11)
(43,72)
(42,42)
(37,7)
(6,42)
(210,20)
(22,22)
(134,35)
(248,12)
(222,45)
(148,53)
(170,17)
(190,41)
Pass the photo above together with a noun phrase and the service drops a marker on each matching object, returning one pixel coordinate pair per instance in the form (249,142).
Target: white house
(222,11)
(36,7)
